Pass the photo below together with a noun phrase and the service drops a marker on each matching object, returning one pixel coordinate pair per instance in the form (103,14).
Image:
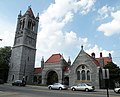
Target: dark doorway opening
(66,80)
(52,77)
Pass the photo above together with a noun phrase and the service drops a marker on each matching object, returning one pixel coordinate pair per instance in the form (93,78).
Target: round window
(83,67)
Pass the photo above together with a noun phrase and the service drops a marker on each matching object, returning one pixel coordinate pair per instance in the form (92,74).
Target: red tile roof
(38,70)
(106,60)
(97,60)
(54,58)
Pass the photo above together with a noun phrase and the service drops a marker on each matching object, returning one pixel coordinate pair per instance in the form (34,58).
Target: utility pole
(106,78)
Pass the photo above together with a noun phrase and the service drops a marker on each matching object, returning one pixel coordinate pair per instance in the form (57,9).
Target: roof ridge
(94,59)
(29,12)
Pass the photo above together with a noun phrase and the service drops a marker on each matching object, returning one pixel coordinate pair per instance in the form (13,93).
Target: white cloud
(104,12)
(52,38)
(87,5)
(116,15)
(58,42)
(96,49)
(83,6)
(112,27)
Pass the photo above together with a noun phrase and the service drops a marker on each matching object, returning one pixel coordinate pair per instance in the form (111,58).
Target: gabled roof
(29,12)
(54,58)
(92,59)
(106,60)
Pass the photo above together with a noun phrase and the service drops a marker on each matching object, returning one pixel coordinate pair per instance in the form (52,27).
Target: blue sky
(66,25)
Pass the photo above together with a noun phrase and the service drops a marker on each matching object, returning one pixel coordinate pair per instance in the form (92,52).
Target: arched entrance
(35,79)
(52,77)
(66,80)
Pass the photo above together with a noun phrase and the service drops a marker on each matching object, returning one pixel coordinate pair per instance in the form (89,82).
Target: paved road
(38,91)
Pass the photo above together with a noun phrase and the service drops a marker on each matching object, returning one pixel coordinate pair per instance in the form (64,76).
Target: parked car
(1,81)
(117,90)
(83,86)
(19,83)
(58,86)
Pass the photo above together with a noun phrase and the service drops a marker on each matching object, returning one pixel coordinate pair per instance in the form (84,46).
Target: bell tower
(24,48)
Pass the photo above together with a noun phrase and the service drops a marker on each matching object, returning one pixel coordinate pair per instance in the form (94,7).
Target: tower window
(33,26)
(23,24)
(20,24)
(29,24)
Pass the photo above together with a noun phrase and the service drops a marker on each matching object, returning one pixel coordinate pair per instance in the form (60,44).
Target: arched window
(83,74)
(35,79)
(29,24)
(88,75)
(33,26)
(23,23)
(78,75)
(20,26)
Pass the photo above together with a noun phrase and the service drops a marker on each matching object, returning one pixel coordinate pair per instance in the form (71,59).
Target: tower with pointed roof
(24,48)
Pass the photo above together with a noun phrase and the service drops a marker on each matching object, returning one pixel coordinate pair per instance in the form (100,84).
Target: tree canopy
(114,73)
(5,54)
(114,70)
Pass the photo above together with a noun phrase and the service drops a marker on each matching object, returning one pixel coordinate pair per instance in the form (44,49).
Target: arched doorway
(66,80)
(35,79)
(52,77)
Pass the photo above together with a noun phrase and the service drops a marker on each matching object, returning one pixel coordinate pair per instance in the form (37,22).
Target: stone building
(24,48)
(84,69)
(55,69)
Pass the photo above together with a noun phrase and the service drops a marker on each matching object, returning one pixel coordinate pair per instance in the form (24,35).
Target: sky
(65,25)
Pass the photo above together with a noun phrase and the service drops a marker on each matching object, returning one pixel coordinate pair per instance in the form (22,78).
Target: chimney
(100,54)
(93,55)
(69,61)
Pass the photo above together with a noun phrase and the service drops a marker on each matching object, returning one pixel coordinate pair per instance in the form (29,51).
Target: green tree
(5,54)
(114,74)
